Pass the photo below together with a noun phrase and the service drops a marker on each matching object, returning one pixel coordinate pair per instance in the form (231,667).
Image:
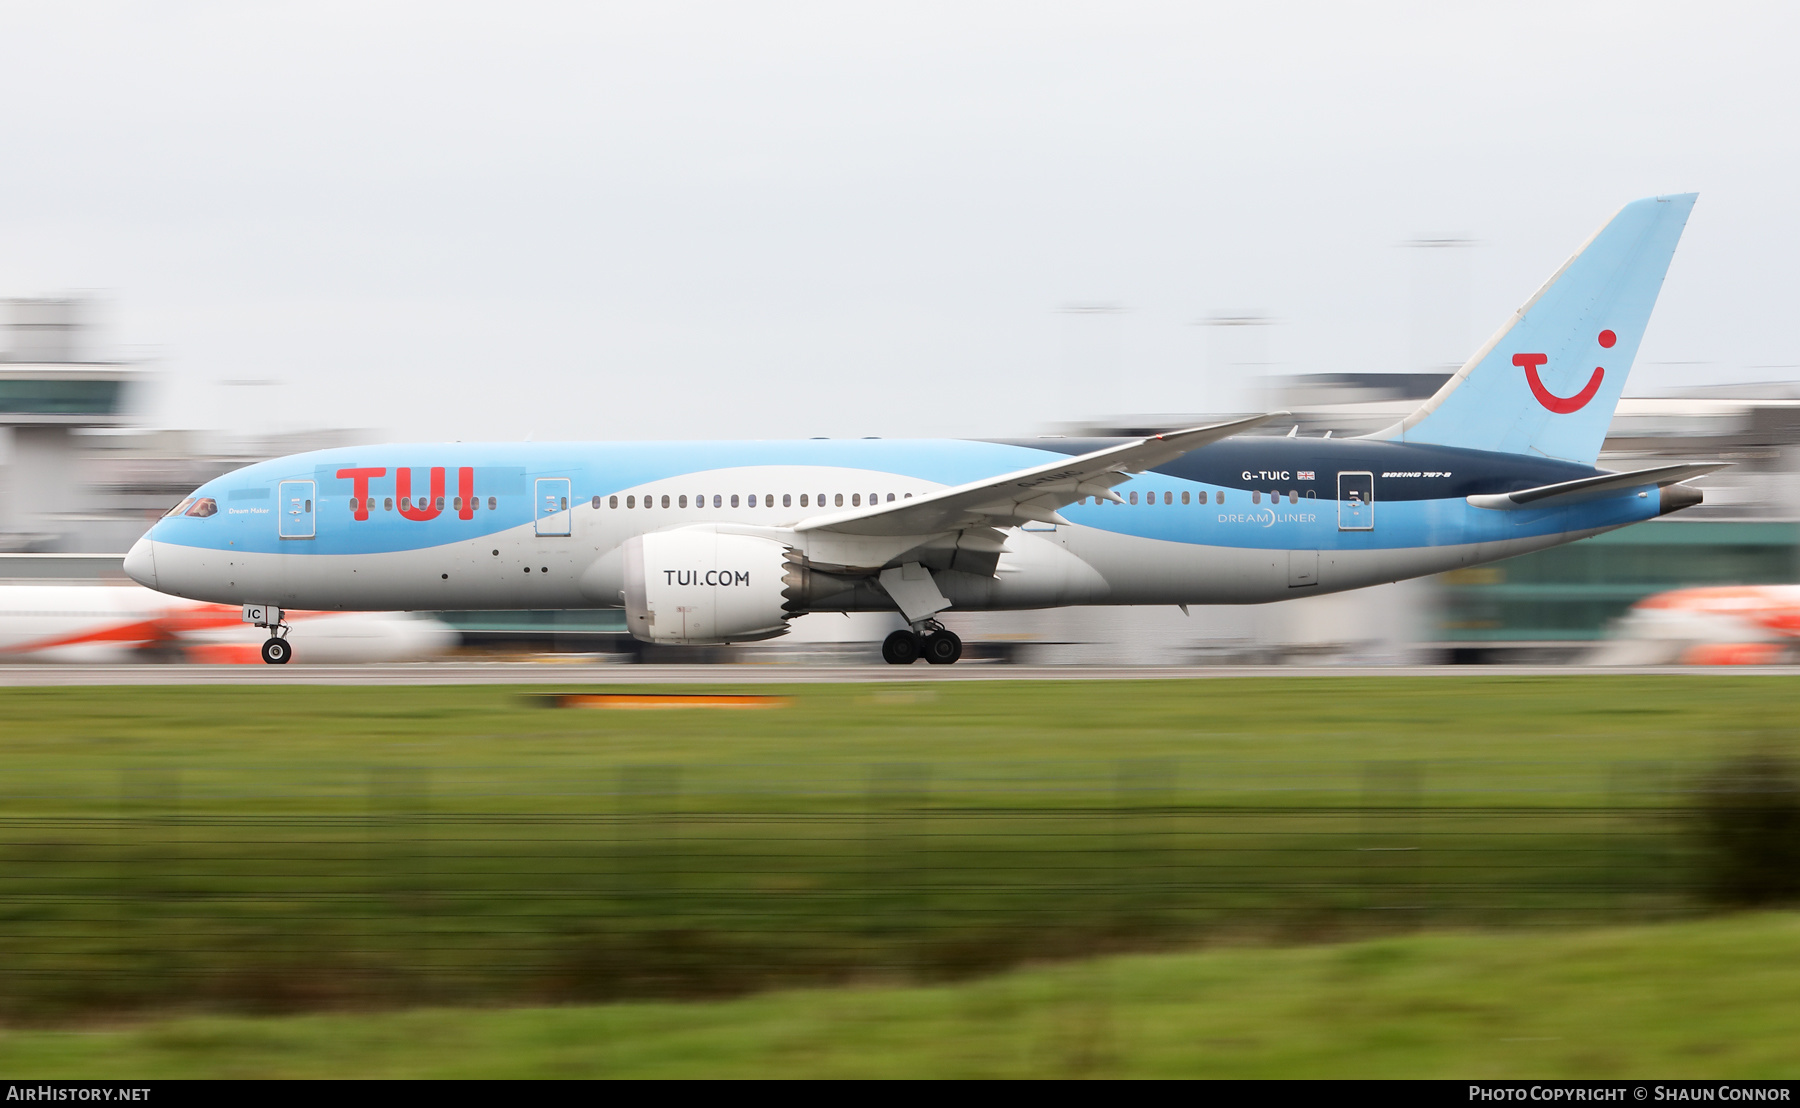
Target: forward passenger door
(294,500)
(552,511)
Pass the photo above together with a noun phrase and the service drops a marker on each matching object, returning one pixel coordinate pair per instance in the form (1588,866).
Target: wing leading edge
(1028,495)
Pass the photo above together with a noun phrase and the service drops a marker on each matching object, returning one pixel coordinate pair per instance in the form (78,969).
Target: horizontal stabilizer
(1590,488)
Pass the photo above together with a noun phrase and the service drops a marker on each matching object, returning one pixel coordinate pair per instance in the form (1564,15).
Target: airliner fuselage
(532,525)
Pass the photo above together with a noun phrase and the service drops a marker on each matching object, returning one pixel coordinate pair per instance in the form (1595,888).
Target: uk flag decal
(1306,475)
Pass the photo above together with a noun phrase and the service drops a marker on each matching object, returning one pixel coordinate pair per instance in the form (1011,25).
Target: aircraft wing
(1028,495)
(1587,488)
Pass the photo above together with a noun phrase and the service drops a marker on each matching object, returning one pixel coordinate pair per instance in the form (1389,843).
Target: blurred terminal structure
(82,476)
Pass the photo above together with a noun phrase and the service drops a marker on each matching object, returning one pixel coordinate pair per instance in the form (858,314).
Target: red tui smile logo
(1562,405)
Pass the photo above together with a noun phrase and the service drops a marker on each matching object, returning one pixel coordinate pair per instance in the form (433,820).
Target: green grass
(832,732)
(1719,998)
(283,848)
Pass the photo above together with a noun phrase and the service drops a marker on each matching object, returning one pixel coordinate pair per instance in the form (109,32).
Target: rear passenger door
(1356,501)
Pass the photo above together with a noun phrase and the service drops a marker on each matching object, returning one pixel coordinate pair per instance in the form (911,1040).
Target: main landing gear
(276,651)
(936,645)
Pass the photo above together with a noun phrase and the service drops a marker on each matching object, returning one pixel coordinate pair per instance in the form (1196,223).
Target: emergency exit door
(1356,501)
(553,506)
(294,500)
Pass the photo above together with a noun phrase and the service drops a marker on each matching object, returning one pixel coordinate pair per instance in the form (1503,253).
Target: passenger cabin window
(890,498)
(1256,498)
(856,500)
(752,500)
(803,500)
(492,502)
(1202,495)
(838,500)
(665,500)
(387,503)
(406,503)
(611,502)
(596,500)
(787,500)
(1134,498)
(440,504)
(768,501)
(1184,496)
(1169,498)
(207,506)
(682,502)
(631,502)
(734,497)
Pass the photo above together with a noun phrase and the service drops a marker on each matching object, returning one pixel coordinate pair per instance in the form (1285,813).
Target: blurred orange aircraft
(122,623)
(1717,625)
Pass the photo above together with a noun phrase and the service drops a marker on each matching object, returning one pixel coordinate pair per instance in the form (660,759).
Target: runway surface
(587,673)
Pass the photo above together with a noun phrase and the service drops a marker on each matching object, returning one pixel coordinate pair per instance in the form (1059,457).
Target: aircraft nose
(140,563)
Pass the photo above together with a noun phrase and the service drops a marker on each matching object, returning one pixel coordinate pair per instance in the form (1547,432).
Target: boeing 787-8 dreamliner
(720,542)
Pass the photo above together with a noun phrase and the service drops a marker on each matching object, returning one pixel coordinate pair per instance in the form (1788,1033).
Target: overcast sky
(697,220)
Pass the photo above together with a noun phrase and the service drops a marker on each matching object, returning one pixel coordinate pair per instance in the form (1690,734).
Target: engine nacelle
(697,587)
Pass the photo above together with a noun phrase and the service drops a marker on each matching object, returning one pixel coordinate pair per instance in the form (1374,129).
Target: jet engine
(696,587)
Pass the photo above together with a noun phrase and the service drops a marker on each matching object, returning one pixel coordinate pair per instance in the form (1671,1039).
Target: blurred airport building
(82,476)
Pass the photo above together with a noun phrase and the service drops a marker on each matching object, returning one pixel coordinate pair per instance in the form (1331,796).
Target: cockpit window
(179,508)
(203,507)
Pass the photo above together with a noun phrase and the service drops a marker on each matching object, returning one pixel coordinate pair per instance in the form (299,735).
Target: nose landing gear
(275,651)
(934,643)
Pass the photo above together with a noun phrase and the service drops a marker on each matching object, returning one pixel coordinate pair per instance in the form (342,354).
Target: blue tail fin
(1548,381)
